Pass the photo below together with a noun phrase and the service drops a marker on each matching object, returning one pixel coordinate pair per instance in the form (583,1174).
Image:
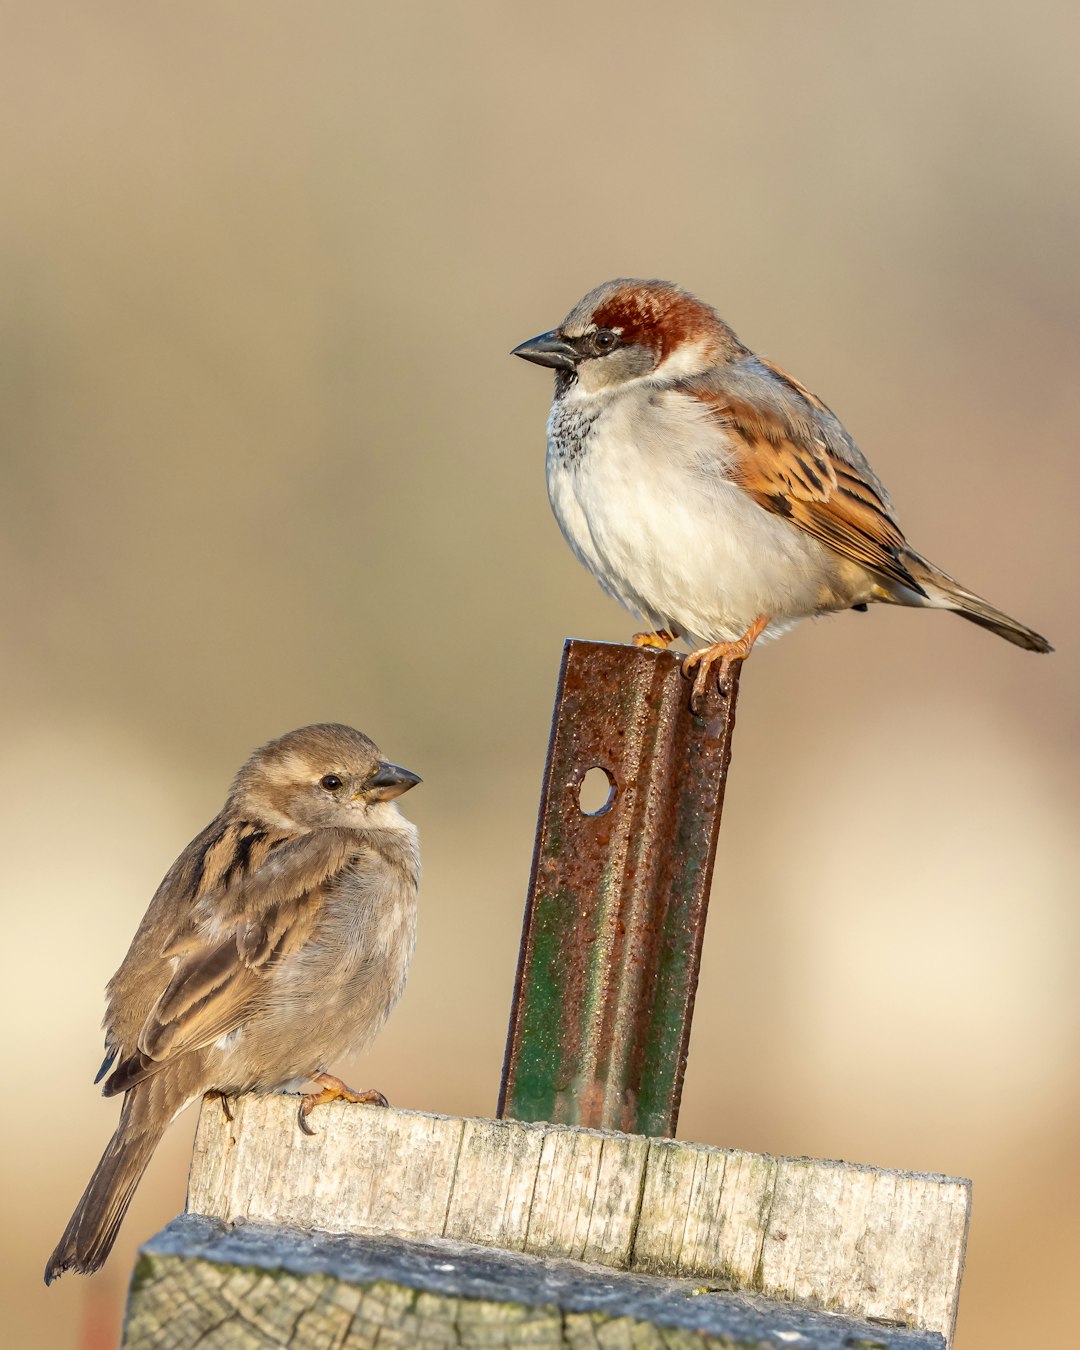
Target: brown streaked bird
(710,492)
(279,940)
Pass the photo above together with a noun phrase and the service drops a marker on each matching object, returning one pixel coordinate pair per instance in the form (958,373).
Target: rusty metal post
(617,900)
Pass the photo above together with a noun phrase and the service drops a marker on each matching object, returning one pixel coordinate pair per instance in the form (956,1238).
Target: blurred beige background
(267,462)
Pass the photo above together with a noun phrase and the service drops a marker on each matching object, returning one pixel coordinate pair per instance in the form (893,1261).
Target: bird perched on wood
(710,492)
(279,940)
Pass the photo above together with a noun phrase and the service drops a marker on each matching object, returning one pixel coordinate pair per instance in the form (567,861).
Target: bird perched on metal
(710,492)
(278,941)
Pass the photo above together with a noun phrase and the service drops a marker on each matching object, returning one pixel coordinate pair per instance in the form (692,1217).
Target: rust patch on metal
(617,901)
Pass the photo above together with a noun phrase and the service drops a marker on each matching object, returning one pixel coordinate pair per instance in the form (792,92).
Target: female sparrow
(279,939)
(709,491)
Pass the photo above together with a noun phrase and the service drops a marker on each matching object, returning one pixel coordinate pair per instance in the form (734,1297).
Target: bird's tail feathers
(945,592)
(91,1231)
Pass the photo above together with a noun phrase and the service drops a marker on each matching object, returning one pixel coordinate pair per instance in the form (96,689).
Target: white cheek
(589,381)
(688,358)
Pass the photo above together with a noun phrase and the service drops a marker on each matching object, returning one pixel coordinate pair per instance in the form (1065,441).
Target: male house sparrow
(279,940)
(709,491)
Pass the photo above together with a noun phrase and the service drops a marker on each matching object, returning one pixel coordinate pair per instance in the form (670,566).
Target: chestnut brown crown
(628,329)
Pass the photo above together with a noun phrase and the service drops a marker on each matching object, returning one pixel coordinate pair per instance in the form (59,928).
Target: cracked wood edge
(186,1301)
(859,1240)
(205,1283)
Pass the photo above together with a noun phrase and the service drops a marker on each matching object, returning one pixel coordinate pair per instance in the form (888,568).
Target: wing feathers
(791,454)
(256,895)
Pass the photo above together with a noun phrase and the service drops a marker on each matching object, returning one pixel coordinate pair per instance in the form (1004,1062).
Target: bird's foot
(659,641)
(724,655)
(334,1090)
(223,1098)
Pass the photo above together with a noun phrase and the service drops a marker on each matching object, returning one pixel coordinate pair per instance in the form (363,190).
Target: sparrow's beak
(548,350)
(389,781)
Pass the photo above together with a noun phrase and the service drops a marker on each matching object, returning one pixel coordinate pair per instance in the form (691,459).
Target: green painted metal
(617,900)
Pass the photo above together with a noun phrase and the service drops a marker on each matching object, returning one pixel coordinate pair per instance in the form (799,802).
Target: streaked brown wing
(794,458)
(213,988)
(256,901)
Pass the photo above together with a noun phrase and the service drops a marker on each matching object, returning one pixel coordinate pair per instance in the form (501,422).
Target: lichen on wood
(862,1241)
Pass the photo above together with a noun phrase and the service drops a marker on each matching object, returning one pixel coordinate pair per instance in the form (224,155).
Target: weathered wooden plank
(704,1211)
(365,1170)
(492,1196)
(199,1283)
(838,1235)
(888,1227)
(859,1240)
(585,1195)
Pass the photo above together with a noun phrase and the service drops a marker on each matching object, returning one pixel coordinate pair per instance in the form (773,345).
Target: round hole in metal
(596,791)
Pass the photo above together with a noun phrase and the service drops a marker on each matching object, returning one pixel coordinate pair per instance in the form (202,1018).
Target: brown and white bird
(710,492)
(279,940)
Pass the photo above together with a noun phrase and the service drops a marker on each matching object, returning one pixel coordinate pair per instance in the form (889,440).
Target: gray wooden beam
(200,1282)
(861,1241)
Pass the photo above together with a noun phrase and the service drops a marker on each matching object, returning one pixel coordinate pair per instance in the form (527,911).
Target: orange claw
(660,640)
(334,1090)
(726,653)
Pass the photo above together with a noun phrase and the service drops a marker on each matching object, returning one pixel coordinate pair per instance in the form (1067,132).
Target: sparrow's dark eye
(330,781)
(604,339)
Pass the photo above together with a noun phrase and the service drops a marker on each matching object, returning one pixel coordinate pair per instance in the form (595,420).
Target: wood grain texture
(704,1210)
(857,1240)
(201,1284)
